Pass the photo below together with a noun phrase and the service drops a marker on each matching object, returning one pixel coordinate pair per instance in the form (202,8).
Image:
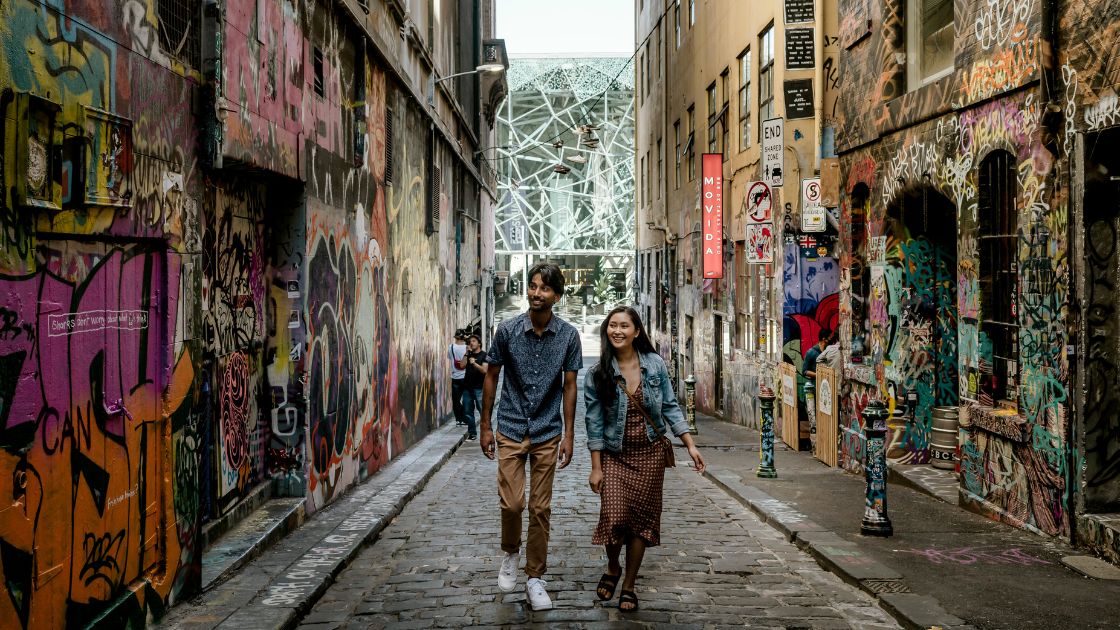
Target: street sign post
(812,213)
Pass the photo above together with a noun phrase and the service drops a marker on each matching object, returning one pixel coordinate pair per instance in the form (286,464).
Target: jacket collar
(553,325)
(644,362)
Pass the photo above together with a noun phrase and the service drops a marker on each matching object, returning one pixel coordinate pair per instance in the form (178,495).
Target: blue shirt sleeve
(497,354)
(573,359)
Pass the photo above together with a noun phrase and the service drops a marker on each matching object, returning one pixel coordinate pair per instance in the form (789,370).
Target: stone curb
(293,576)
(838,556)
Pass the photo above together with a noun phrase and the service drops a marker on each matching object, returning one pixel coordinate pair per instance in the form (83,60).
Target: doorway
(717,380)
(1100,334)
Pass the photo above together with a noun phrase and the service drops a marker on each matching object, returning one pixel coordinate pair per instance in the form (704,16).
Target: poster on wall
(798,11)
(799,49)
(760,243)
(759,203)
(799,98)
(773,151)
(711,205)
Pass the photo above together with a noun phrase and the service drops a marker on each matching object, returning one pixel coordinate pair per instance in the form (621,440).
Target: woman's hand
(697,459)
(596,480)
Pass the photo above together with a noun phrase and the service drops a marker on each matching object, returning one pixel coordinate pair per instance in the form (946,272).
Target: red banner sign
(711,213)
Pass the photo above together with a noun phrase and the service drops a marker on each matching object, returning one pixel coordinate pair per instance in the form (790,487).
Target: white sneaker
(507,575)
(537,596)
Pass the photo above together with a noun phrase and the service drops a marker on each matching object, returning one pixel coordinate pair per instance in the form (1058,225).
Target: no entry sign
(760,203)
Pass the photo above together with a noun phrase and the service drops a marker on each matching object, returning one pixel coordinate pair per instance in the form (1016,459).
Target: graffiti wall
(101,430)
(919,263)
(810,279)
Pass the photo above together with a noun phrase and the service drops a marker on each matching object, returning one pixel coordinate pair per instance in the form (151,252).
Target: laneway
(436,565)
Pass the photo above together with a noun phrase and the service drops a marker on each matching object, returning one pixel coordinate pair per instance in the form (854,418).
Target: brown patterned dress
(632,483)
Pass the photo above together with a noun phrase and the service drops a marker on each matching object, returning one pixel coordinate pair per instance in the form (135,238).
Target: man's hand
(486,441)
(565,451)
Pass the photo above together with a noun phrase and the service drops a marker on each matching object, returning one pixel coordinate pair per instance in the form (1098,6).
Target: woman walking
(630,406)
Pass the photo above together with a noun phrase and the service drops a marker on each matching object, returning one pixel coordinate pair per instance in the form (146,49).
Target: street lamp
(486,68)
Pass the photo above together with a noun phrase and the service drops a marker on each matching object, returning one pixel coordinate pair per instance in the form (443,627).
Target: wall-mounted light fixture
(487,68)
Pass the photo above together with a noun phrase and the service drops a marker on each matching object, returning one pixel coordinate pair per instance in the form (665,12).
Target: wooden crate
(787,382)
(827,415)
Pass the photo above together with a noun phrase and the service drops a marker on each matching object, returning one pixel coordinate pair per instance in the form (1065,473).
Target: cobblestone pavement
(718,566)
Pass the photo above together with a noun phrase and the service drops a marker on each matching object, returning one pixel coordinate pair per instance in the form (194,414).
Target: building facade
(979,251)
(565,154)
(709,73)
(237,238)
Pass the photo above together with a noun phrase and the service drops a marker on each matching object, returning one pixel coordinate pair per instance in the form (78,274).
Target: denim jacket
(605,426)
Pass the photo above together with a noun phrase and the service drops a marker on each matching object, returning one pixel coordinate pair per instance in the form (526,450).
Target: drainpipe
(818,81)
(213,104)
(1053,121)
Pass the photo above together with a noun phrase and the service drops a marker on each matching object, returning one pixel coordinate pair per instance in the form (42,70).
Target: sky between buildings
(566,27)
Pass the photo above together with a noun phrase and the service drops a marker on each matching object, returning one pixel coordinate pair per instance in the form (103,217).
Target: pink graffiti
(973,555)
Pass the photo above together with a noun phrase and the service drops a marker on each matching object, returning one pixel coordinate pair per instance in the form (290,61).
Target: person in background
(630,406)
(809,365)
(457,354)
(830,356)
(472,384)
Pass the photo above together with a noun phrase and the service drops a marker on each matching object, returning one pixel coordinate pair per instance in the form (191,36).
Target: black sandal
(628,597)
(607,583)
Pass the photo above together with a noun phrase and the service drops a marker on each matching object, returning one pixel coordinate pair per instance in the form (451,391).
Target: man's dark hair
(459,334)
(476,338)
(550,274)
(825,336)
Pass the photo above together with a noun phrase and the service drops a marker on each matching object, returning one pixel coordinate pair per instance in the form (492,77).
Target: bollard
(875,519)
(766,468)
(811,411)
(690,402)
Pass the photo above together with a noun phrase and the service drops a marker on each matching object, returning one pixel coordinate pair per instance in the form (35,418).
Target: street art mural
(924,258)
(82,448)
(810,280)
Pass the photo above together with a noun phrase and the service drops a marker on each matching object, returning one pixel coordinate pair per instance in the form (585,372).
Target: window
(660,168)
(690,144)
(179,22)
(645,79)
(725,91)
(641,79)
(745,100)
(660,50)
(645,167)
(677,153)
(929,41)
(765,76)
(999,279)
(318,79)
(713,138)
(677,18)
(642,196)
(691,13)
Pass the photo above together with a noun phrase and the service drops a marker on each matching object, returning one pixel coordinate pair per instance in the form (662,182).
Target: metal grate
(885,586)
(179,30)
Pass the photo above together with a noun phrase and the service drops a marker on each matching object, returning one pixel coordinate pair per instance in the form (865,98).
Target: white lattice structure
(589,210)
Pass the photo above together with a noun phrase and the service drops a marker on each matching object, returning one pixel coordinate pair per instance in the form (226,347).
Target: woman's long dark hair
(604,373)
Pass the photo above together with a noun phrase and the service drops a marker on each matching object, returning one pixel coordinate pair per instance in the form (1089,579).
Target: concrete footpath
(276,589)
(944,567)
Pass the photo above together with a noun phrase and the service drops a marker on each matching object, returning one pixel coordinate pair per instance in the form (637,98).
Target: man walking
(472,384)
(457,354)
(539,354)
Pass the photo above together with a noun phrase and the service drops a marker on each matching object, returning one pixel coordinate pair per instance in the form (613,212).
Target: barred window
(999,278)
(179,30)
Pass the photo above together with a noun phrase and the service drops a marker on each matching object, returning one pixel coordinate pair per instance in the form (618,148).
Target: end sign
(773,150)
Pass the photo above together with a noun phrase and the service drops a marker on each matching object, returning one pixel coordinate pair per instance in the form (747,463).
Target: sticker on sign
(773,149)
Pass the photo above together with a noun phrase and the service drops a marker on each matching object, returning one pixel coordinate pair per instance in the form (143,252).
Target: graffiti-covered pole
(690,402)
(766,468)
(876,522)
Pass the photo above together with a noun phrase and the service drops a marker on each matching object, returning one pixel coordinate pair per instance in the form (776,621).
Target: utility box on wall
(33,150)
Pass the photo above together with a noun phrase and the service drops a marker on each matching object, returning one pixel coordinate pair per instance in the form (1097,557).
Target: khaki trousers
(511,492)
